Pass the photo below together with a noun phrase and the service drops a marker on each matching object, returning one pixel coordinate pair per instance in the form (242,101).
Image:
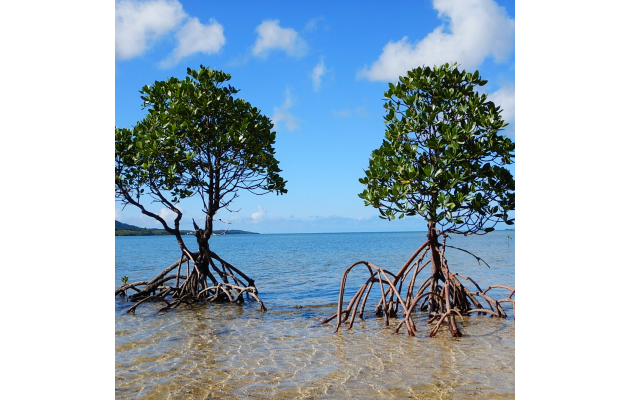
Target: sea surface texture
(229,351)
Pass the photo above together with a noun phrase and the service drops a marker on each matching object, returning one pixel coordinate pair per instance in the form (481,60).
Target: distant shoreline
(158,232)
(162,232)
(130,230)
(122,229)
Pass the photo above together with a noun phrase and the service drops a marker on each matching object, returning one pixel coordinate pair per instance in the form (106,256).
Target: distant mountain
(122,229)
(122,225)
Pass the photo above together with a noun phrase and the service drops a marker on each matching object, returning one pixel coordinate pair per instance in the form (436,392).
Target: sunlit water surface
(223,351)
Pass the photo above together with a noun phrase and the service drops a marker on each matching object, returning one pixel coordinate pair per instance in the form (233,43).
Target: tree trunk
(436,267)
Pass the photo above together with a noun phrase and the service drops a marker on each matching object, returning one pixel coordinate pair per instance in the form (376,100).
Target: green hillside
(123,229)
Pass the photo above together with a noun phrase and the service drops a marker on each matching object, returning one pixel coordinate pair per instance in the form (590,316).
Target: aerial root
(442,294)
(132,310)
(191,286)
(452,326)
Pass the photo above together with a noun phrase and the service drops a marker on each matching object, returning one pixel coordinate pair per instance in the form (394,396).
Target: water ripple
(232,351)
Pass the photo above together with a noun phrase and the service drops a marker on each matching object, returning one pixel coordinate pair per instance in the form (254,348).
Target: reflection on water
(235,351)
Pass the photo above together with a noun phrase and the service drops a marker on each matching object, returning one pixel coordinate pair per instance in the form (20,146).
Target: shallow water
(220,351)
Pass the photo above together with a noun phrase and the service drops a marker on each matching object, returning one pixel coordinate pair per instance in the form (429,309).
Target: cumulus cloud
(195,37)
(139,23)
(167,215)
(271,36)
(317,73)
(259,215)
(283,114)
(473,30)
(505,98)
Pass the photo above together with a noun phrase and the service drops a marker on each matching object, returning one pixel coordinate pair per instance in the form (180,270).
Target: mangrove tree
(443,158)
(197,140)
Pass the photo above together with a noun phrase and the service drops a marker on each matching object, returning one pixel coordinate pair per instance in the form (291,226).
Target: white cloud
(505,98)
(282,113)
(478,29)
(234,218)
(288,99)
(272,36)
(139,23)
(167,215)
(290,121)
(195,37)
(311,25)
(317,73)
(259,215)
(360,111)
(143,221)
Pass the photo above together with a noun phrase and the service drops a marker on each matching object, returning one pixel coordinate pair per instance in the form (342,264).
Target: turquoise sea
(223,351)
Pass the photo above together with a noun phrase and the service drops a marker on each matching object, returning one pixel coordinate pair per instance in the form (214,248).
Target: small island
(123,229)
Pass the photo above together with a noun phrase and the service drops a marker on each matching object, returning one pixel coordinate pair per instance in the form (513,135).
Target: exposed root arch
(441,294)
(190,283)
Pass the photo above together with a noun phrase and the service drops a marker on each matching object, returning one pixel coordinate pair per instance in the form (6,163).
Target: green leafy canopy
(442,157)
(197,139)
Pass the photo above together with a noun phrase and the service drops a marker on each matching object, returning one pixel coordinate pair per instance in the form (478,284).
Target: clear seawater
(224,351)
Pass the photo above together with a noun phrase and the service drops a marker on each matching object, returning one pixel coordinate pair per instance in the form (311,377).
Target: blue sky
(318,70)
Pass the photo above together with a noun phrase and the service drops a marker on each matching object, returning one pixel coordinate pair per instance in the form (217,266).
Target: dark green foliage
(123,229)
(197,139)
(443,156)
